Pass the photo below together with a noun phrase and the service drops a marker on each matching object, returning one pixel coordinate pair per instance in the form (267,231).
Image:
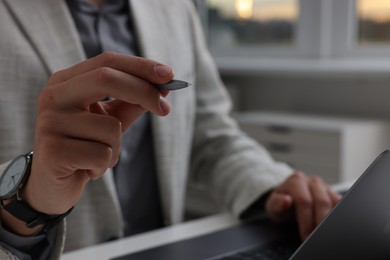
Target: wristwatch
(11,181)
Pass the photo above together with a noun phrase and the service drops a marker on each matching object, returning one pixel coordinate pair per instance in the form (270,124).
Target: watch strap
(21,210)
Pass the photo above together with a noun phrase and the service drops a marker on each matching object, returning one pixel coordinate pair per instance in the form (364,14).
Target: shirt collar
(107,6)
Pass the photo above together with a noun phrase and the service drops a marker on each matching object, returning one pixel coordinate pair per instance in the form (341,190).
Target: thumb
(127,113)
(279,207)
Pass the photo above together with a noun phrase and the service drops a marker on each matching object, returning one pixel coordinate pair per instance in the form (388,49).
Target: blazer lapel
(150,29)
(49,27)
(149,26)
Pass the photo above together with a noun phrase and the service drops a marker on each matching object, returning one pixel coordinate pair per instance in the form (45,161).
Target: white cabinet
(336,149)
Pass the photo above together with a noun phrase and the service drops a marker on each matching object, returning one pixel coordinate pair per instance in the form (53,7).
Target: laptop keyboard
(272,251)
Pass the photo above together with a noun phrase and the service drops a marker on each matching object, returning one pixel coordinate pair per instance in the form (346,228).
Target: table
(154,238)
(162,236)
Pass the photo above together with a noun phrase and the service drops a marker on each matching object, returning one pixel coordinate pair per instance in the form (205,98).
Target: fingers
(149,70)
(279,207)
(89,156)
(69,150)
(308,197)
(321,198)
(123,77)
(293,198)
(78,127)
(303,202)
(68,172)
(335,197)
(82,91)
(124,112)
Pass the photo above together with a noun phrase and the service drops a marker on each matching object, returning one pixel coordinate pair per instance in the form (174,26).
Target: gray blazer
(197,141)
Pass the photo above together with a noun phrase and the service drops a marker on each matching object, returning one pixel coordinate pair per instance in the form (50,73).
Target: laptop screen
(359,226)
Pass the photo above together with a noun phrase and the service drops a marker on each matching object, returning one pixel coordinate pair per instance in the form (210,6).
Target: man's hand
(77,137)
(306,198)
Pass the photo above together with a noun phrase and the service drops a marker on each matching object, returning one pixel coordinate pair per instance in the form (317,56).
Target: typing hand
(307,199)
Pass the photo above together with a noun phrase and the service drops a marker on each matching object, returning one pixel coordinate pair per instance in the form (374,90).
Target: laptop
(358,227)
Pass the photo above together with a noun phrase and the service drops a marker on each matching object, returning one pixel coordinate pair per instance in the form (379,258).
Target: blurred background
(309,79)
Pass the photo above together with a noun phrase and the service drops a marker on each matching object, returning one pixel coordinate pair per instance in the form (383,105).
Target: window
(244,27)
(374,22)
(234,23)
(314,34)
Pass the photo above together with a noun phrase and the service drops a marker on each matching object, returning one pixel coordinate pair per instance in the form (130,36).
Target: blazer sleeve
(234,168)
(13,246)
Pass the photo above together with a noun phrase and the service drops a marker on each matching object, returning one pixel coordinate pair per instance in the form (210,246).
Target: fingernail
(164,105)
(163,71)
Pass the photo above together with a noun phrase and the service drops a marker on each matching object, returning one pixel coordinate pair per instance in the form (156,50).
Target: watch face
(12,177)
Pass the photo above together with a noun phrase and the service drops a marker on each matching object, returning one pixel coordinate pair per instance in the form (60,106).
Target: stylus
(173,85)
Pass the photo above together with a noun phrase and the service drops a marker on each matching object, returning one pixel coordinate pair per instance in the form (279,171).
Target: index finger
(322,200)
(147,69)
(297,187)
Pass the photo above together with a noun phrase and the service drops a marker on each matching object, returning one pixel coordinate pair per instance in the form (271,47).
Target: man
(76,137)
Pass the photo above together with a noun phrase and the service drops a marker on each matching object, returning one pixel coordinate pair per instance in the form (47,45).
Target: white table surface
(162,236)
(154,238)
